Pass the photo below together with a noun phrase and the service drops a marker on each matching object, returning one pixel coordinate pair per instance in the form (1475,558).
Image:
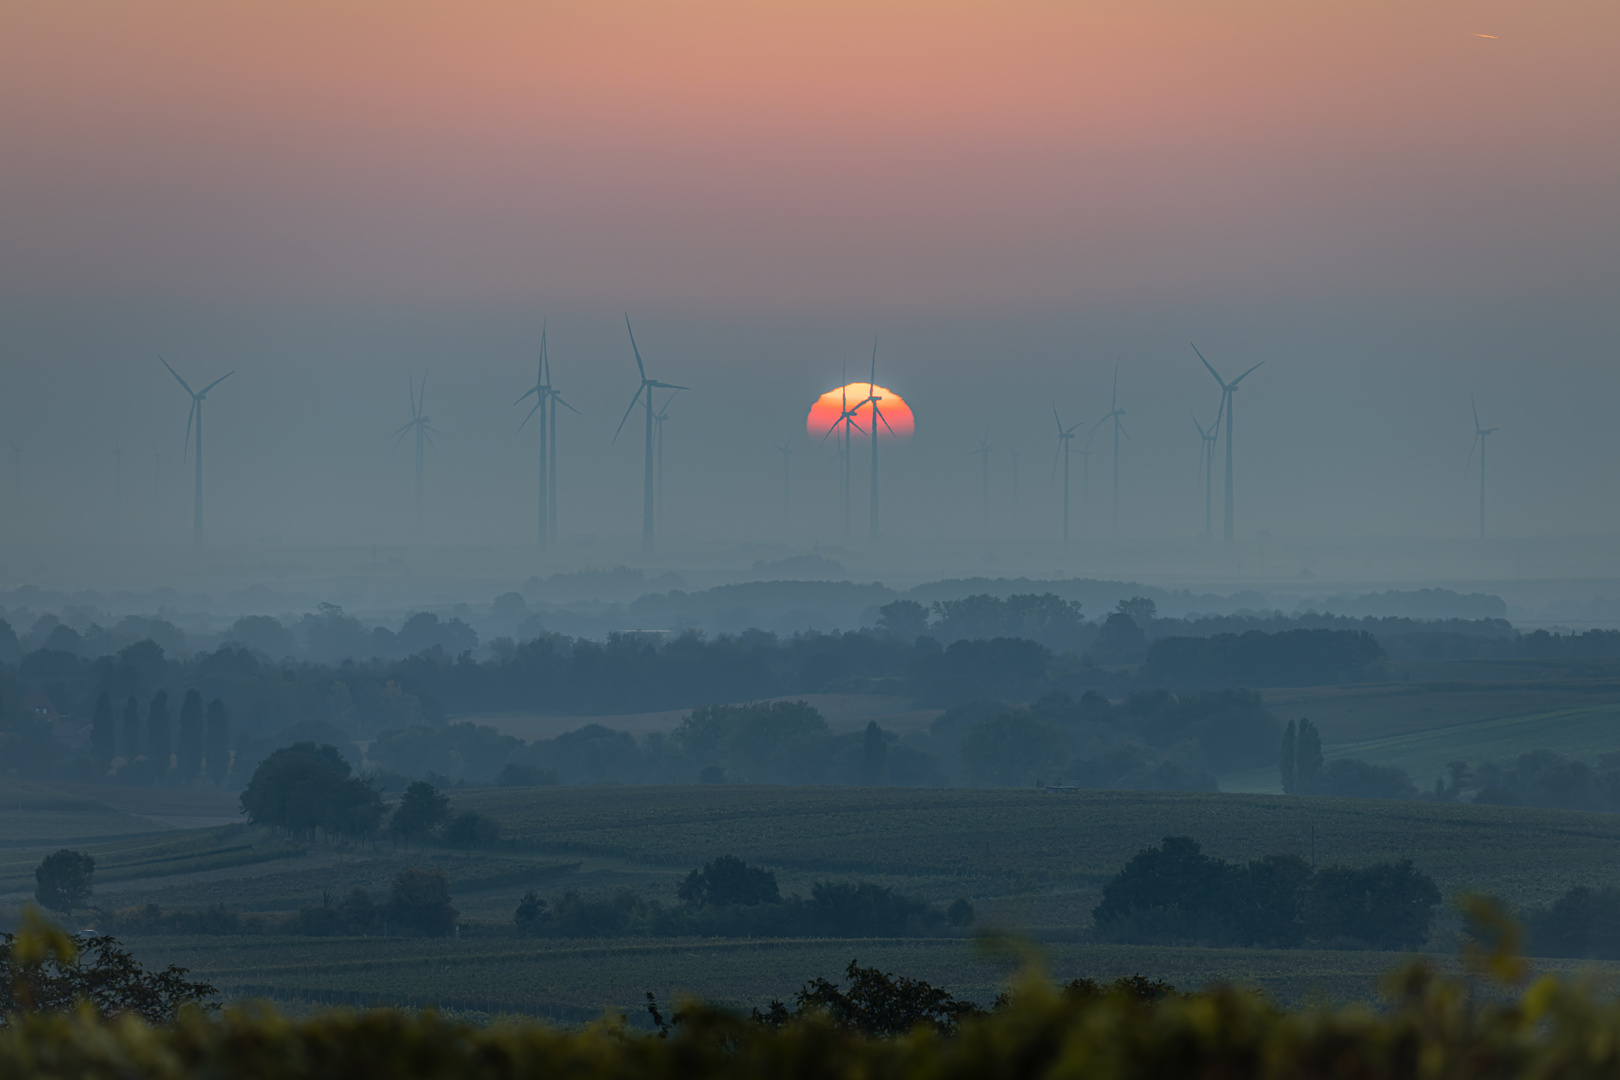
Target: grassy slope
(33,815)
(1381,710)
(575,980)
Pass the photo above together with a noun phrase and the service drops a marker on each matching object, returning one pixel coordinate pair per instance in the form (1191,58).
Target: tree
(1309,761)
(45,970)
(1288,759)
(874,755)
(1176,875)
(1011,749)
(132,729)
(217,741)
(471,830)
(420,902)
(188,756)
(420,811)
(876,1003)
(63,880)
(157,733)
(1386,905)
(303,787)
(531,910)
(904,620)
(729,880)
(103,739)
(1139,608)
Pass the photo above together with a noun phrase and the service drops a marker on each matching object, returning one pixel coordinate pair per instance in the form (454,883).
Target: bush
(63,880)
(471,830)
(420,903)
(729,880)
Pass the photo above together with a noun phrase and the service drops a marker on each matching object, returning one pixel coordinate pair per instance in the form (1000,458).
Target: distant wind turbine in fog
(645,390)
(546,401)
(1065,437)
(658,422)
(786,450)
(1114,413)
(1206,465)
(1016,452)
(424,435)
(983,454)
(1479,442)
(196,415)
(1228,400)
(846,420)
(873,397)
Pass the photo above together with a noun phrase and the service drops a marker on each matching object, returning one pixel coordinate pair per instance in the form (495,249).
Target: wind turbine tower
(786,450)
(1114,414)
(1065,437)
(1228,399)
(424,437)
(1016,452)
(1206,461)
(658,420)
(983,454)
(546,401)
(846,420)
(1479,441)
(872,399)
(196,416)
(644,391)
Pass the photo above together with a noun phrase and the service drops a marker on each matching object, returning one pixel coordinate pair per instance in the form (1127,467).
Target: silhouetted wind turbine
(873,397)
(983,453)
(424,435)
(658,421)
(846,420)
(546,401)
(644,391)
(1065,437)
(786,450)
(1016,452)
(1479,441)
(1206,462)
(1114,414)
(196,414)
(1228,399)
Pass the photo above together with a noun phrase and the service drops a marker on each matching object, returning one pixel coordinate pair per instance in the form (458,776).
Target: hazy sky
(1384,204)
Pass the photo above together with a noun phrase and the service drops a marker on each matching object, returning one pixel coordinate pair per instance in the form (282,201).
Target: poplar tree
(132,729)
(103,739)
(188,756)
(217,741)
(157,733)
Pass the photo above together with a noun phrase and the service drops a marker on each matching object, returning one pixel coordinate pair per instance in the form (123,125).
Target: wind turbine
(846,419)
(1206,462)
(872,399)
(786,450)
(118,476)
(196,414)
(1114,414)
(644,391)
(1016,452)
(983,453)
(1228,399)
(658,436)
(1065,437)
(546,401)
(1479,441)
(424,434)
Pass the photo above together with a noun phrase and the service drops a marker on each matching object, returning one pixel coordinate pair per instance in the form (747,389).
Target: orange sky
(795,155)
(830,406)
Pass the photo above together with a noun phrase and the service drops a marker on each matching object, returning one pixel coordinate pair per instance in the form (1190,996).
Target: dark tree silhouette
(103,738)
(421,809)
(132,729)
(729,880)
(420,903)
(157,733)
(63,881)
(217,741)
(189,746)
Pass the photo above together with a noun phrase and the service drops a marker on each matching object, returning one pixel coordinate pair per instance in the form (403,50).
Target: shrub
(63,880)
(729,880)
(420,903)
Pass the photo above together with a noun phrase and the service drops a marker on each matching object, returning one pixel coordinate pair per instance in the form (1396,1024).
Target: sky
(1391,205)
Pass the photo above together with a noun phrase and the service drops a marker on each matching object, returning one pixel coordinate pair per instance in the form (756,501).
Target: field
(1346,714)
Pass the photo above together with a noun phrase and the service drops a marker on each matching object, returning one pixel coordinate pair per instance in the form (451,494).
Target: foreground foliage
(1432,1027)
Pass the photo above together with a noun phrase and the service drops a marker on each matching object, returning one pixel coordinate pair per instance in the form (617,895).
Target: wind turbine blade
(1059,420)
(873,377)
(1097,425)
(628,411)
(183,382)
(215,383)
(1211,367)
(1200,427)
(1245,375)
(1475,407)
(1113,398)
(639,365)
(877,412)
(526,393)
(558,399)
(1123,432)
(1471,447)
(665,385)
(191,412)
(532,411)
(540,379)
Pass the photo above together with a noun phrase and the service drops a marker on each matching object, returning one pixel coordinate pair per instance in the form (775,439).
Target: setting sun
(829,406)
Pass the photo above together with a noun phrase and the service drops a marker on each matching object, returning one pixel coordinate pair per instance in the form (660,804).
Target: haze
(1389,209)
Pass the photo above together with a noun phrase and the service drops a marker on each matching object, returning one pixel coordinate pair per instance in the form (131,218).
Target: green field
(1031,863)
(33,815)
(1357,713)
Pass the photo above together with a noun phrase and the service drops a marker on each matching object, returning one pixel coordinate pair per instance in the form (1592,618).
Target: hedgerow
(1491,1023)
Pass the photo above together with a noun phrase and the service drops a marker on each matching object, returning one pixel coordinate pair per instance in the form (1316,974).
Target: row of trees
(151,749)
(1176,894)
